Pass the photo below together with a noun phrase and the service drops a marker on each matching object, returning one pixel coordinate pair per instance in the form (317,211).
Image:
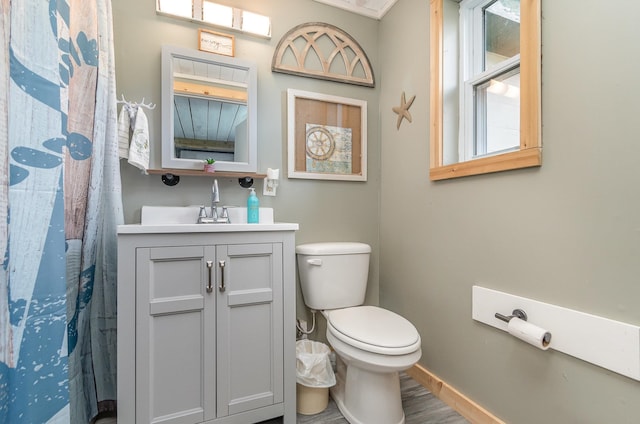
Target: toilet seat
(374,329)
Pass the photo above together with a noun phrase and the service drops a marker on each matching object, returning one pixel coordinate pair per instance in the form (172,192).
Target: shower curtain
(60,203)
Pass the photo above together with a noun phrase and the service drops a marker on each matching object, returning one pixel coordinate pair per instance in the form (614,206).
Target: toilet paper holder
(517,313)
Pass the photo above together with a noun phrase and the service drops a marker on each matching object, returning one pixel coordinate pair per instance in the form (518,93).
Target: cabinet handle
(210,283)
(222,287)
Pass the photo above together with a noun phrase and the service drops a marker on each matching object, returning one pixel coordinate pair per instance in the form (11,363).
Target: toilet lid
(374,329)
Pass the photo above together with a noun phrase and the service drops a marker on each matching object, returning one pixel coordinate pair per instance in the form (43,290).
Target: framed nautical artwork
(327,137)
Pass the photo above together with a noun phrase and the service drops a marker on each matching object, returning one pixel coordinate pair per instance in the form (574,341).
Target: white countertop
(204,228)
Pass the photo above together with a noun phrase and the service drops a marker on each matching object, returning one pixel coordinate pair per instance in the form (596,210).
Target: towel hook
(149,106)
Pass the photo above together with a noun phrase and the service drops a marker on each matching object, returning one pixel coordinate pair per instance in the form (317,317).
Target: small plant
(210,161)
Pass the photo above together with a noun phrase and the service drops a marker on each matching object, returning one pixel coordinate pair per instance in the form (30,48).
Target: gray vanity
(206,312)
(206,323)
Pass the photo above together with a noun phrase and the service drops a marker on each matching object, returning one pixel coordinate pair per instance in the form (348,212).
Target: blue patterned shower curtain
(60,203)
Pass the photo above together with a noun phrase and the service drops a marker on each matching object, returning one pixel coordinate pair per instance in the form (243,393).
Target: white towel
(139,149)
(124,131)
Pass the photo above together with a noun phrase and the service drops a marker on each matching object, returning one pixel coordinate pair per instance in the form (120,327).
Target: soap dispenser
(253,208)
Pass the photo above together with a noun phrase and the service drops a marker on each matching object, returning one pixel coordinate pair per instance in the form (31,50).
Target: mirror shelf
(199,173)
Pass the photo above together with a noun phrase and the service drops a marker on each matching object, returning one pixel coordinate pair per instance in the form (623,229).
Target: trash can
(314,376)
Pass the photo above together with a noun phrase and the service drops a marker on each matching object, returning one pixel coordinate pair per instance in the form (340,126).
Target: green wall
(567,233)
(325,210)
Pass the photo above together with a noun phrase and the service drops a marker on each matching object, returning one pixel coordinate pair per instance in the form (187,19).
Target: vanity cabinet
(206,326)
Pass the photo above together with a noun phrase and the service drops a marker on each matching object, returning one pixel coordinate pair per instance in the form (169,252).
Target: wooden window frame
(530,152)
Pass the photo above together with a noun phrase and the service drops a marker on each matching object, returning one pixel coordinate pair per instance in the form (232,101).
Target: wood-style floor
(420,407)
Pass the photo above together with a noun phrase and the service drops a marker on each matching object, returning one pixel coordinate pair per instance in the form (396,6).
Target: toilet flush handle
(316,262)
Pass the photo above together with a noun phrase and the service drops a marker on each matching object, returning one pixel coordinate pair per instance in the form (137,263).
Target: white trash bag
(313,364)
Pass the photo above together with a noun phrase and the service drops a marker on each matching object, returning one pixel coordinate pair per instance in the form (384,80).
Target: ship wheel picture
(320,143)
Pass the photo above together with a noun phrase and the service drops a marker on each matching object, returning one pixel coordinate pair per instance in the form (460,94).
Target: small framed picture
(216,42)
(327,137)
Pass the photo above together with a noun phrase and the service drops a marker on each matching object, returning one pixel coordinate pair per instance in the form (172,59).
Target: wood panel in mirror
(447,80)
(209,110)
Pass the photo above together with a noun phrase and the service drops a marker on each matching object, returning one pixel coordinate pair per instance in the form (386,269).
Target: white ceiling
(371,8)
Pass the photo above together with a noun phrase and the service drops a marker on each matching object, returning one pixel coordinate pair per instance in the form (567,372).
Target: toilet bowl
(372,344)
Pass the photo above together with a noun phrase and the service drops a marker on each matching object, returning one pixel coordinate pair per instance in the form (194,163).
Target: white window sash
(471,71)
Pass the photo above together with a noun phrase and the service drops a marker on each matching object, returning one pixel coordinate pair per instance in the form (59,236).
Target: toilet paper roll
(532,334)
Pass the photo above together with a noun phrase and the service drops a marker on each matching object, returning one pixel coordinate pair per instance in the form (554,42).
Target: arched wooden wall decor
(323,51)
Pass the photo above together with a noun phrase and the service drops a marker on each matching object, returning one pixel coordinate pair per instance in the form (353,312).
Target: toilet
(372,344)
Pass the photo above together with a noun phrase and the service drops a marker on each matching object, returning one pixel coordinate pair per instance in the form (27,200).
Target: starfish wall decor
(403,109)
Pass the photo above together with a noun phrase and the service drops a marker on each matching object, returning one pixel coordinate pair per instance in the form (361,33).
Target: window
(217,15)
(485,86)
(490,77)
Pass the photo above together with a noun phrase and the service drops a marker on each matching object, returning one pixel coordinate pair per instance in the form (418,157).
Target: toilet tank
(333,275)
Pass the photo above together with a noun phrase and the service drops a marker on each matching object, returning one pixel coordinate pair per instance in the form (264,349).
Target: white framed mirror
(209,110)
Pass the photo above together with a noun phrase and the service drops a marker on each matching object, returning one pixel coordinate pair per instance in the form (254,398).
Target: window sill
(526,158)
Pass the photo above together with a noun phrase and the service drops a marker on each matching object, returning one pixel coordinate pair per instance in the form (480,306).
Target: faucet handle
(225,215)
(202,214)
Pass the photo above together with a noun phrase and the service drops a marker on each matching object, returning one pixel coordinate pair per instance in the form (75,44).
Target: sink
(172,215)
(183,219)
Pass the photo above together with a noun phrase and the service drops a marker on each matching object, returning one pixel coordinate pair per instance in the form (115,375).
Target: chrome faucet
(215,199)
(215,217)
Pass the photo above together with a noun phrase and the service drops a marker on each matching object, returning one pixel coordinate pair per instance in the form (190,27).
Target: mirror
(209,109)
(485,86)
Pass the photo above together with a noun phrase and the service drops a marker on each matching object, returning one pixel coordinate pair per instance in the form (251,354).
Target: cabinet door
(250,324)
(175,329)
